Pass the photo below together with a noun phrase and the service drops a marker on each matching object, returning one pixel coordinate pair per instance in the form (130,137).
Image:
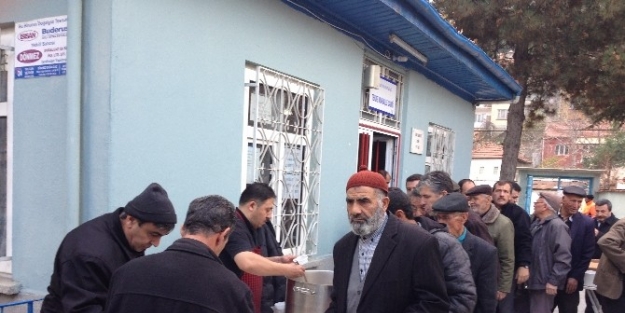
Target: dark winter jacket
(187,277)
(400,279)
(603,229)
(274,287)
(522,236)
(551,252)
(457,269)
(582,247)
(484,264)
(84,264)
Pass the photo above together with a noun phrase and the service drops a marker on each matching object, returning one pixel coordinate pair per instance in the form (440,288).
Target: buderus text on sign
(41,47)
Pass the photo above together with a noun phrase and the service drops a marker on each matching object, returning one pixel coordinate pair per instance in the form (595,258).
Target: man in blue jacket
(582,232)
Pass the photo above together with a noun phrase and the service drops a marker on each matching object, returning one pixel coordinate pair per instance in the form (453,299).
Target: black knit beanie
(152,205)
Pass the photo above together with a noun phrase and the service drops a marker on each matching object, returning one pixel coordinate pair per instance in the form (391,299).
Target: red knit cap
(369,179)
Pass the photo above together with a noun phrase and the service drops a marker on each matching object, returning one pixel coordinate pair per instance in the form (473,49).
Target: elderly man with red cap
(373,269)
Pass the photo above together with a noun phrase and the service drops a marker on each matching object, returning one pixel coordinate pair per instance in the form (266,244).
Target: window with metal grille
(284,139)
(367,112)
(440,149)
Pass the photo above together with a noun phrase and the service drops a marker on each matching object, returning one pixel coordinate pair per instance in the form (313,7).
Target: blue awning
(453,61)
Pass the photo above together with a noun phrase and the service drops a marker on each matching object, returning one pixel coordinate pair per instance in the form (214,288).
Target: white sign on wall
(384,98)
(416,141)
(41,47)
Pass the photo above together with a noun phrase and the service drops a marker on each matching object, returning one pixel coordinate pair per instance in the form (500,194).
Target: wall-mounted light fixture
(400,58)
(408,48)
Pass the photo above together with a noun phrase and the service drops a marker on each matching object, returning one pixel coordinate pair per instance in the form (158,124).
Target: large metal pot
(309,295)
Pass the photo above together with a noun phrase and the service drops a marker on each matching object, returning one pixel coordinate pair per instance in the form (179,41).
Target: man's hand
(596,232)
(522,275)
(551,289)
(571,285)
(282,258)
(501,295)
(294,271)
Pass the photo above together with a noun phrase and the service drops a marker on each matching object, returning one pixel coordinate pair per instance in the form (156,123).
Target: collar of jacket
(611,220)
(194,247)
(491,215)
(115,225)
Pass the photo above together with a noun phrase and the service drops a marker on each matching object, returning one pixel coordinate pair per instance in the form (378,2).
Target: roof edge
(432,15)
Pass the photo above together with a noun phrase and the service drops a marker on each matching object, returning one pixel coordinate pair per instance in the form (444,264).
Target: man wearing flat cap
(453,210)
(89,254)
(582,232)
(374,270)
(551,255)
(502,230)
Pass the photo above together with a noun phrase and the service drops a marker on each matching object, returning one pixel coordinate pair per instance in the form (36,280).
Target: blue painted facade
(162,100)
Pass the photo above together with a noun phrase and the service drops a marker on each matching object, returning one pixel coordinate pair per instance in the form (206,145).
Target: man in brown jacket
(610,277)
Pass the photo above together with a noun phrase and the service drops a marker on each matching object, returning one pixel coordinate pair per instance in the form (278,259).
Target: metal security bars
(440,149)
(284,134)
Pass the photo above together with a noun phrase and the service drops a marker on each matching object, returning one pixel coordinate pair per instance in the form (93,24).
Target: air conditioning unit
(372,77)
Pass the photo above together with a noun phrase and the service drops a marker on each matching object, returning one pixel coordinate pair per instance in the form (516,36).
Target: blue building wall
(39,158)
(177,96)
(426,102)
(163,101)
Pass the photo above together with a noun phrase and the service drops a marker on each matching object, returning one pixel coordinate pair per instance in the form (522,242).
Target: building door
(377,151)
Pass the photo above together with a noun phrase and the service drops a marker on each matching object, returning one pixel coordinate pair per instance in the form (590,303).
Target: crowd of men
(439,247)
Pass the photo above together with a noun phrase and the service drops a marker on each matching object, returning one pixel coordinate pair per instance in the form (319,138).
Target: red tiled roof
(492,151)
(559,130)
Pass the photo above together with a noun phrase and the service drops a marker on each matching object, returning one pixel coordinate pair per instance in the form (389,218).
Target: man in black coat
(436,184)
(373,269)
(246,253)
(582,233)
(452,210)
(603,222)
(188,276)
(502,191)
(90,253)
(274,287)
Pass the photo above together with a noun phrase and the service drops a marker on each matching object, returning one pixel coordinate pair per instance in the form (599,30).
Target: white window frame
(301,236)
(502,114)
(440,149)
(562,149)
(480,118)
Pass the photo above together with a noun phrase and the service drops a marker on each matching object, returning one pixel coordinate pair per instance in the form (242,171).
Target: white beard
(370,225)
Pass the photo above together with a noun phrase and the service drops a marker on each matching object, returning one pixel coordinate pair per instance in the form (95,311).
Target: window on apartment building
(562,149)
(502,114)
(440,149)
(284,138)
(496,170)
(481,170)
(481,118)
